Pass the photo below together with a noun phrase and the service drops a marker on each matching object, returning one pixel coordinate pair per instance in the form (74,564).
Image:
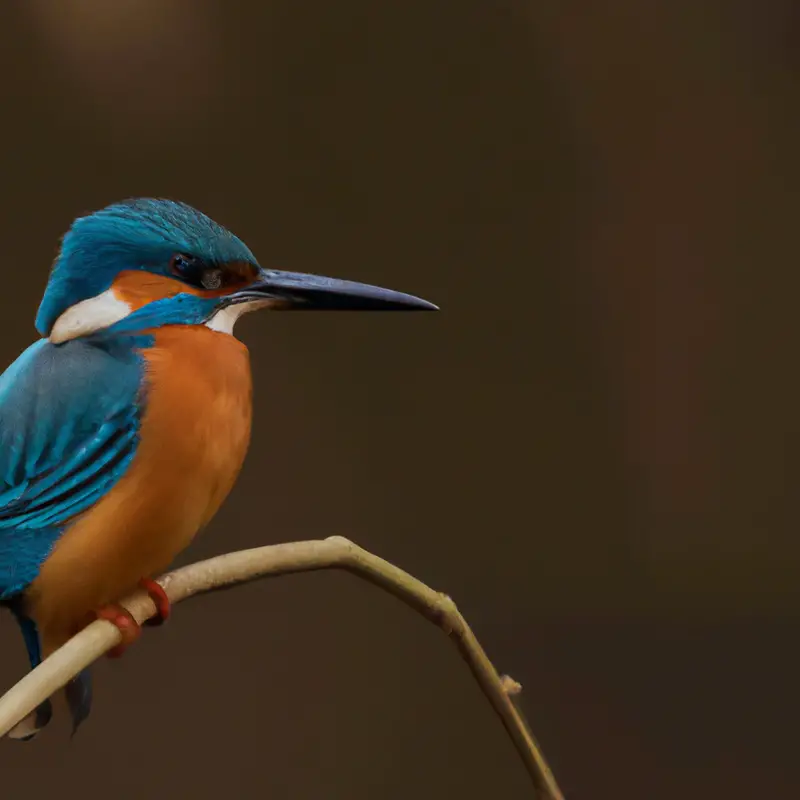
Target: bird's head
(144,263)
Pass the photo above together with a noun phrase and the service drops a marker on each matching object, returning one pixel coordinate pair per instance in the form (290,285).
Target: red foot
(159,597)
(127,625)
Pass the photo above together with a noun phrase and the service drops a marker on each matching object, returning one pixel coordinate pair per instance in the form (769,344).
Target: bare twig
(246,565)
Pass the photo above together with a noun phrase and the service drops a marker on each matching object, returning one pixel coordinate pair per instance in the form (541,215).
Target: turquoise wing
(69,426)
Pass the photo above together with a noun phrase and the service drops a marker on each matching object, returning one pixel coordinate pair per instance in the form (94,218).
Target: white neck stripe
(89,316)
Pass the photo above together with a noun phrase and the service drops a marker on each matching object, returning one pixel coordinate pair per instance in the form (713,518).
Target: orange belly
(194,437)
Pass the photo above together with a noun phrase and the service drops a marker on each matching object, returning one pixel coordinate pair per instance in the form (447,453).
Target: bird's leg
(159,597)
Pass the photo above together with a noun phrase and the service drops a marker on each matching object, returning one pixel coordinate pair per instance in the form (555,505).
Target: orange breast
(194,437)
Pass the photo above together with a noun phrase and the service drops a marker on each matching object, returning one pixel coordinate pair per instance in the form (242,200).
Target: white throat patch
(224,320)
(89,316)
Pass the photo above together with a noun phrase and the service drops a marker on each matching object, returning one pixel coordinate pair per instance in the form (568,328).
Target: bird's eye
(195,272)
(186,267)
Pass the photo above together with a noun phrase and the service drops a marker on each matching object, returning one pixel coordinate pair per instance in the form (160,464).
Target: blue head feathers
(134,234)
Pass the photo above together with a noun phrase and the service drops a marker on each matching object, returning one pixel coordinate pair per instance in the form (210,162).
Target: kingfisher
(124,427)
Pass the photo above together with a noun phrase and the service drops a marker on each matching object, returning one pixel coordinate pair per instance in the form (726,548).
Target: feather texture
(69,421)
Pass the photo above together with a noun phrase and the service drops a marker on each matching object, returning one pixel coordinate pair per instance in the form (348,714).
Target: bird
(125,425)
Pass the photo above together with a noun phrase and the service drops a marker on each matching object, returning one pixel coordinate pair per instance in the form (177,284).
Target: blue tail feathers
(79,698)
(78,691)
(29,727)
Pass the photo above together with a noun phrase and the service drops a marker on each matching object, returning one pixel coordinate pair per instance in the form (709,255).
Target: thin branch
(247,565)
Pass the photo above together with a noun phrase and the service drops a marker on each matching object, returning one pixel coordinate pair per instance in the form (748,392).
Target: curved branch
(246,565)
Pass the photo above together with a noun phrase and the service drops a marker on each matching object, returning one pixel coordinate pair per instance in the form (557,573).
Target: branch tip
(510,686)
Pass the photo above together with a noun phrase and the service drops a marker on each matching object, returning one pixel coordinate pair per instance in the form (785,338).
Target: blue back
(69,425)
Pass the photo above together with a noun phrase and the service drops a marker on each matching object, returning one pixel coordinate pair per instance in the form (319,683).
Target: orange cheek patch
(138,288)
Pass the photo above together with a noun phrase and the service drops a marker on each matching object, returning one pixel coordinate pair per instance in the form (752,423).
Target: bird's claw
(159,598)
(128,627)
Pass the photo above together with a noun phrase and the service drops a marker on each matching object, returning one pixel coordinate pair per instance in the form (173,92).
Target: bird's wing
(69,421)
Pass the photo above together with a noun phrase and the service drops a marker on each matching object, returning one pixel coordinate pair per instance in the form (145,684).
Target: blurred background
(594,447)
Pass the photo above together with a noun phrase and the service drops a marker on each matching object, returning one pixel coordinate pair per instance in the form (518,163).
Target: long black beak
(299,291)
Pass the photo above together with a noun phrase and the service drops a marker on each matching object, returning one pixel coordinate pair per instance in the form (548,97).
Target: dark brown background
(593,447)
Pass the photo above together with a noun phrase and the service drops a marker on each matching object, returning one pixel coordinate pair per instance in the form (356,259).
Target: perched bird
(124,427)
